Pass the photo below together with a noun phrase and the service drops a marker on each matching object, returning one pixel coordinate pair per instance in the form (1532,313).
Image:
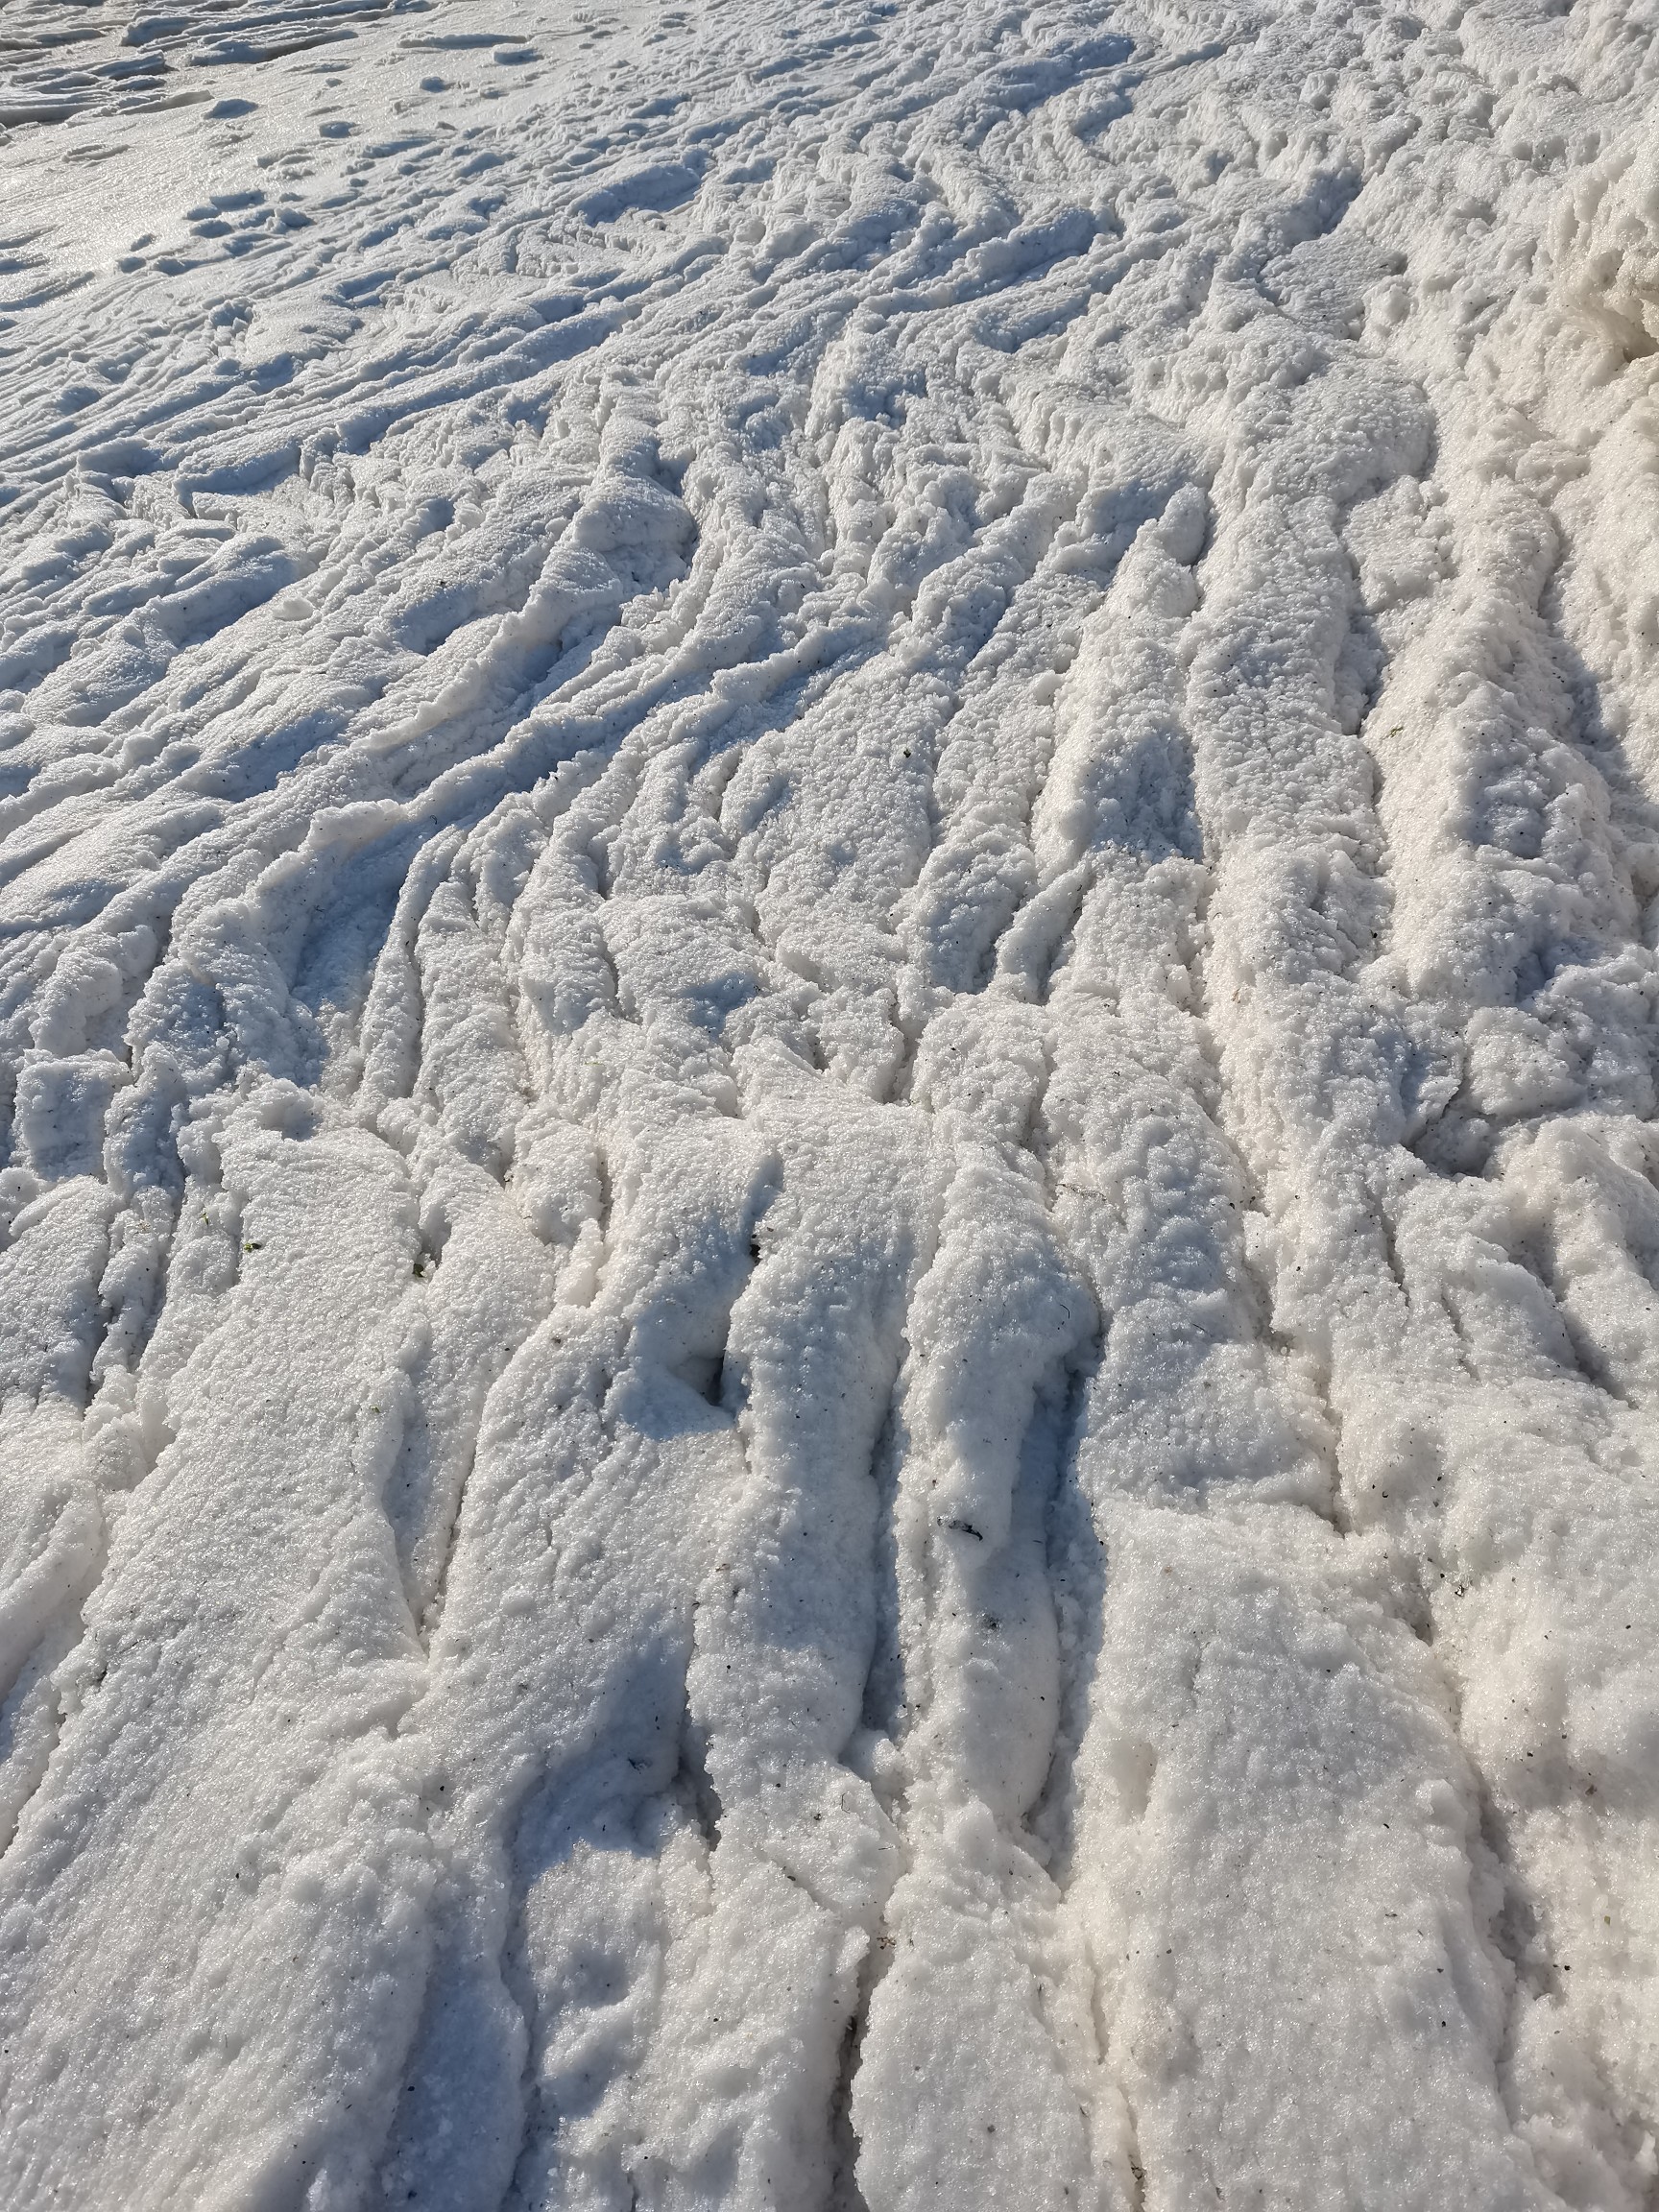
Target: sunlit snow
(828,1194)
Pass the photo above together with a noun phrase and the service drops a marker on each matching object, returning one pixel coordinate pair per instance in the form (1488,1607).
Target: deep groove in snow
(829,1199)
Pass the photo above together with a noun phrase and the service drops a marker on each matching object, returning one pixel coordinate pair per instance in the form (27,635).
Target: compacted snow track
(828,839)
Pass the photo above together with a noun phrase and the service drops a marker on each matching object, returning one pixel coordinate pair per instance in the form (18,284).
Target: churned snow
(828,838)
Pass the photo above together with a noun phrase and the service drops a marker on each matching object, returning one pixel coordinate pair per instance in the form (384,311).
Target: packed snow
(829,870)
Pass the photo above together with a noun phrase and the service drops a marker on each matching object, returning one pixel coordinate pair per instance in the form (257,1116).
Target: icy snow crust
(825,916)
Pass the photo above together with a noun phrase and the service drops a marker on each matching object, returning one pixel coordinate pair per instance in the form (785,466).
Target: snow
(829,1191)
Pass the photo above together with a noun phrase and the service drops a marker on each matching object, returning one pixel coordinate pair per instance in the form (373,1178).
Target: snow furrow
(828,1218)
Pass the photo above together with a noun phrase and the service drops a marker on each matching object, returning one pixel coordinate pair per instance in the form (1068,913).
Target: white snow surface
(829,846)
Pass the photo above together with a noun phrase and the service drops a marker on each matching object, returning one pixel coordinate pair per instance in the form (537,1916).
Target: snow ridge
(830,1213)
